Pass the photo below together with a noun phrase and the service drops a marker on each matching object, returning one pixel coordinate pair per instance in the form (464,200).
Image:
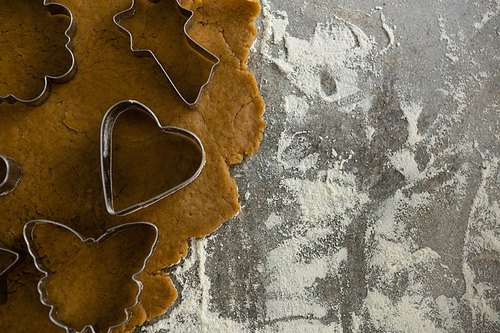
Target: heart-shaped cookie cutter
(10,174)
(42,284)
(107,126)
(130,12)
(19,257)
(54,8)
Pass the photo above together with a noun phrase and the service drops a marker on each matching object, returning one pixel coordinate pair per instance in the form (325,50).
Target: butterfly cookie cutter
(107,126)
(18,259)
(54,8)
(42,283)
(130,12)
(10,174)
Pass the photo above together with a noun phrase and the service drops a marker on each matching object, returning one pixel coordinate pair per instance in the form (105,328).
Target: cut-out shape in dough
(90,283)
(54,8)
(108,124)
(190,101)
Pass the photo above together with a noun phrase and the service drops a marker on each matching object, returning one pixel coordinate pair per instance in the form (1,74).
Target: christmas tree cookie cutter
(107,126)
(130,12)
(54,8)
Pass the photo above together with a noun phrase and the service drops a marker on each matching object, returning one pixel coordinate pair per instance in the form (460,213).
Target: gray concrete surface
(372,205)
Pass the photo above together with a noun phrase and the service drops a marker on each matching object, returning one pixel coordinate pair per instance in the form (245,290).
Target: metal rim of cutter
(12,176)
(130,12)
(20,257)
(42,283)
(54,8)
(107,126)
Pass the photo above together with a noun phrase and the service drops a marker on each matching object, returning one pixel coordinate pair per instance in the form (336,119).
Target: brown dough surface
(57,144)
(96,275)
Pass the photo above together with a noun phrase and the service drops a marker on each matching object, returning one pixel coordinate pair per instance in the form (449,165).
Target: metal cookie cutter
(10,174)
(54,8)
(17,258)
(42,284)
(107,126)
(130,12)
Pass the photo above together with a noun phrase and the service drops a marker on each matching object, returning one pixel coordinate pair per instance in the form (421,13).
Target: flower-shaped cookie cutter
(130,12)
(107,126)
(54,8)
(42,283)
(10,174)
(18,259)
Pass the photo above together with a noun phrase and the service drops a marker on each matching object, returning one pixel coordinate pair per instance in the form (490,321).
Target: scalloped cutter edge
(42,283)
(54,8)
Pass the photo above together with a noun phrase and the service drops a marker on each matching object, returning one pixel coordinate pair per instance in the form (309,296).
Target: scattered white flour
(336,49)
(488,15)
(306,325)
(476,295)
(486,18)
(291,279)
(333,196)
(412,284)
(404,162)
(296,109)
(409,314)
(492,240)
(480,238)
(389,31)
(273,220)
(412,113)
(370,131)
(394,257)
(450,42)
(192,314)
